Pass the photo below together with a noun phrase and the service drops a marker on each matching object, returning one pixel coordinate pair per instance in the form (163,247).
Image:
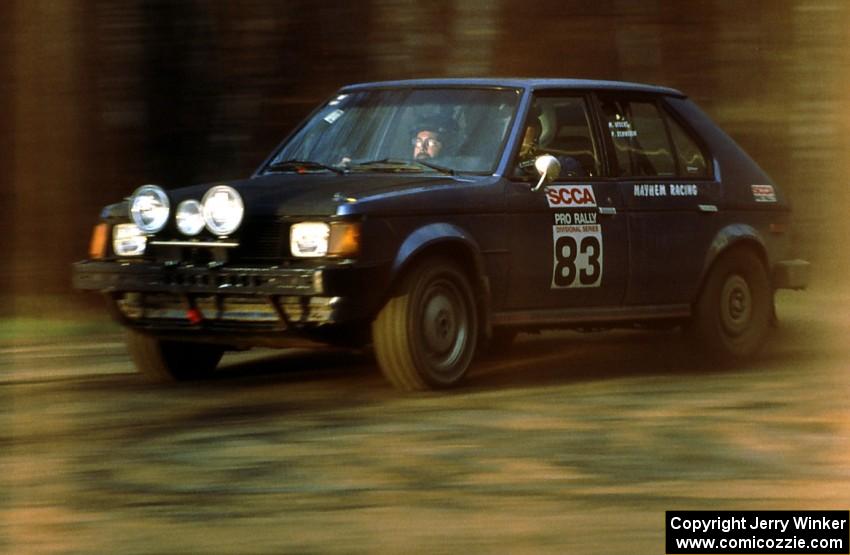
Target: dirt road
(576,443)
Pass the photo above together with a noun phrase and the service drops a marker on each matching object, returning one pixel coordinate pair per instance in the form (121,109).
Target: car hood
(322,194)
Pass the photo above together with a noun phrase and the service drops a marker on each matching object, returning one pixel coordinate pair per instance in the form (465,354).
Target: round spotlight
(149,208)
(222,209)
(190,219)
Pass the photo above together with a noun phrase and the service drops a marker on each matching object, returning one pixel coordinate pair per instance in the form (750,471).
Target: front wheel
(733,313)
(426,333)
(170,361)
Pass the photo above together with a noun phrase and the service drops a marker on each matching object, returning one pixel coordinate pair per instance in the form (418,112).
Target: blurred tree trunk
(7,158)
(49,146)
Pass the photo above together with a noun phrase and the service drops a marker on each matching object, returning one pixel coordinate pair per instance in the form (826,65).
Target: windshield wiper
(433,166)
(405,164)
(396,162)
(294,163)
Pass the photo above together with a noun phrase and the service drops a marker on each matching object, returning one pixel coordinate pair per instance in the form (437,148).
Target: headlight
(314,239)
(309,239)
(190,220)
(149,208)
(128,240)
(222,209)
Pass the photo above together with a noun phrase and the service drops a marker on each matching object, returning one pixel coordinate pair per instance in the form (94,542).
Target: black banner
(805,532)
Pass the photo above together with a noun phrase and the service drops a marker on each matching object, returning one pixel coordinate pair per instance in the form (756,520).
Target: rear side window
(639,137)
(691,158)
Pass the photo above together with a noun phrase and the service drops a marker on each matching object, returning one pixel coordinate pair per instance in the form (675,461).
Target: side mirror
(549,169)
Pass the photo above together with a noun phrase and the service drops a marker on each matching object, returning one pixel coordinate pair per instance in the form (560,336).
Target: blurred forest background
(100,96)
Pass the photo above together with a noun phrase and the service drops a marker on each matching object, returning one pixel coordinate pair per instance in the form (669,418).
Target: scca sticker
(763,193)
(570,196)
(578,256)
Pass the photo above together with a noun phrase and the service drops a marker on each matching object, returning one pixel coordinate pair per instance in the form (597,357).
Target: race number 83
(578,256)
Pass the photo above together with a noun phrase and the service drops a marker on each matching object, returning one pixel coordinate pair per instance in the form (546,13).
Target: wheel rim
(444,326)
(736,305)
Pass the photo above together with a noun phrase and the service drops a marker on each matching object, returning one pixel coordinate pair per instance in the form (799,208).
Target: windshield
(413,130)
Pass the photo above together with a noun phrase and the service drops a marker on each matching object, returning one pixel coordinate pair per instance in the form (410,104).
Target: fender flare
(730,236)
(447,234)
(431,235)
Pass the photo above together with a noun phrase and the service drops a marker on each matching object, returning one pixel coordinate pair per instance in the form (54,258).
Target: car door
(567,240)
(670,197)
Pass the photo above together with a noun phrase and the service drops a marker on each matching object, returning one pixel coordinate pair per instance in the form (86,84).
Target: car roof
(523,83)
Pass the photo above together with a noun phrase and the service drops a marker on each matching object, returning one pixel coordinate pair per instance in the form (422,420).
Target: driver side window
(559,125)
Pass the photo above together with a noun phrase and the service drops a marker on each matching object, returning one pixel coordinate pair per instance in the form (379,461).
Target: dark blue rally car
(432,218)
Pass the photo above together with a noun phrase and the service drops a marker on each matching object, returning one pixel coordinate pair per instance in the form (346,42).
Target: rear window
(691,158)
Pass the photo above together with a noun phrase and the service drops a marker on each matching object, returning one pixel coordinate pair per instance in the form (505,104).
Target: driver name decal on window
(621,128)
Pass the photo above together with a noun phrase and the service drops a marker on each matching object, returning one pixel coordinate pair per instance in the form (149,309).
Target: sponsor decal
(577,257)
(337,100)
(763,193)
(577,218)
(570,196)
(665,189)
(650,190)
(683,190)
(333,116)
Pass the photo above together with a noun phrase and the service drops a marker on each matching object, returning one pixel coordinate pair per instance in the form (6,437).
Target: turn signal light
(97,246)
(344,240)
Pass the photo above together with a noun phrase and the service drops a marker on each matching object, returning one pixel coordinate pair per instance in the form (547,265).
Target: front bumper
(222,299)
(114,276)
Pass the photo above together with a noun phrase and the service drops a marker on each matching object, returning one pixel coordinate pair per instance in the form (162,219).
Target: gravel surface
(572,443)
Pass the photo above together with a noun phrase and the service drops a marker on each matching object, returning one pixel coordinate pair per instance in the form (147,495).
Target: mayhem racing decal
(763,193)
(578,256)
(665,189)
(570,196)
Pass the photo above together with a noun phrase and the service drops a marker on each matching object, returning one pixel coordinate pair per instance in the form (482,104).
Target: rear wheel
(425,335)
(169,361)
(734,310)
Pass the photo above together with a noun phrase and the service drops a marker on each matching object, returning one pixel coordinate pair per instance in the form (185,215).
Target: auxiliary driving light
(222,209)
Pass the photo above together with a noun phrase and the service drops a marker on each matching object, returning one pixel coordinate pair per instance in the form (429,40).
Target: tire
(426,334)
(171,361)
(733,313)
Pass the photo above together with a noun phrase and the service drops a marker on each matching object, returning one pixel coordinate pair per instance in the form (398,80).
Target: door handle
(607,211)
(708,208)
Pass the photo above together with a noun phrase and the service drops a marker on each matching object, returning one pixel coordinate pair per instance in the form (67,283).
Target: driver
(432,139)
(427,145)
